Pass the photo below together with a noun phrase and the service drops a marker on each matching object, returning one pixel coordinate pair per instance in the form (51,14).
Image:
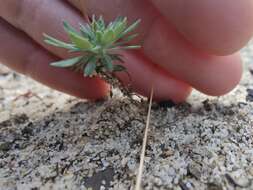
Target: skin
(186,44)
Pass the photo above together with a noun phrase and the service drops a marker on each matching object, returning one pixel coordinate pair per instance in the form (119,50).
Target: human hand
(182,42)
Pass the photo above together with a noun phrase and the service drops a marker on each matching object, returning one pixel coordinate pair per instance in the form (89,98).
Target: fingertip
(95,90)
(145,74)
(168,88)
(223,78)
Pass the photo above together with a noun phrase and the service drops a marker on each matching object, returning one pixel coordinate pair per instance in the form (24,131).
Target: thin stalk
(140,172)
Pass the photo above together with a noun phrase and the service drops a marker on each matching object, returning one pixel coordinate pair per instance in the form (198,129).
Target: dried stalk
(140,172)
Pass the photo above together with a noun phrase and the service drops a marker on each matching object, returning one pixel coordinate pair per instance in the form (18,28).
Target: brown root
(116,83)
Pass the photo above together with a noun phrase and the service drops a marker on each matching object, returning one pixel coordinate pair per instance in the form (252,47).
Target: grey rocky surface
(53,141)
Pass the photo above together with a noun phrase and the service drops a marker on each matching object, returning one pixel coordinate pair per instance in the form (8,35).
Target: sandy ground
(53,141)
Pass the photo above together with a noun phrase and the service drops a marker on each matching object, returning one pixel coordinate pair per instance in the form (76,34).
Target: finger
(18,52)
(144,75)
(218,26)
(213,75)
(38,17)
(46,12)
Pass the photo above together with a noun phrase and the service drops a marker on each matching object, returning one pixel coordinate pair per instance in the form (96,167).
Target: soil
(49,140)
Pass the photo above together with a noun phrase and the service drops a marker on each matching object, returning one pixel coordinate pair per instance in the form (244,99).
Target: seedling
(98,45)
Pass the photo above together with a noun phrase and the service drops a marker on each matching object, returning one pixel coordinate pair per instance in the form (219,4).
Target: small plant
(98,44)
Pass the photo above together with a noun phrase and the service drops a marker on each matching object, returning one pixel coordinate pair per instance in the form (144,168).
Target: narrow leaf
(108,37)
(129,38)
(108,63)
(126,47)
(53,41)
(119,20)
(99,36)
(95,49)
(117,57)
(69,28)
(124,41)
(90,67)
(86,31)
(94,25)
(131,28)
(118,68)
(101,23)
(120,27)
(67,63)
(79,41)
(131,47)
